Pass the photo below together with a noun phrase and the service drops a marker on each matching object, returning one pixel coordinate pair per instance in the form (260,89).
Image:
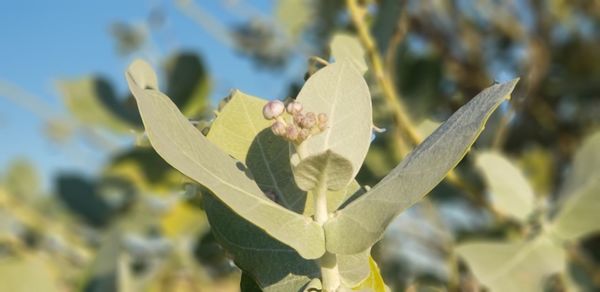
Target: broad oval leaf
(341,92)
(346,47)
(328,168)
(241,131)
(579,213)
(578,216)
(365,219)
(518,266)
(176,140)
(510,191)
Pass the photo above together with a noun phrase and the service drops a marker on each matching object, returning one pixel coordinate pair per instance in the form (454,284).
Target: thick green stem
(330,275)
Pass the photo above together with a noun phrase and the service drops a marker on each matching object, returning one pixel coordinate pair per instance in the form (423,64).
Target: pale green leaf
(355,268)
(176,140)
(509,190)
(242,132)
(27,273)
(341,92)
(89,100)
(272,265)
(346,47)
(365,219)
(293,15)
(513,266)
(329,168)
(578,216)
(314,285)
(586,165)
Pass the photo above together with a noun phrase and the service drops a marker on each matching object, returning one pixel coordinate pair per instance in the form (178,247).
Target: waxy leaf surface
(176,140)
(510,191)
(341,92)
(365,219)
(518,266)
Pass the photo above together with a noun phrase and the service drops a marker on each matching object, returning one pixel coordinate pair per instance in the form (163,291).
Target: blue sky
(42,42)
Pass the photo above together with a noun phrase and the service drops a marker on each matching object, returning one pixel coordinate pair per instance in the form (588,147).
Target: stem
(401,119)
(330,275)
(403,122)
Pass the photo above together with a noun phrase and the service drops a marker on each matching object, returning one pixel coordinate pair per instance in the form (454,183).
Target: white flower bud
(294,107)
(278,128)
(273,109)
(298,118)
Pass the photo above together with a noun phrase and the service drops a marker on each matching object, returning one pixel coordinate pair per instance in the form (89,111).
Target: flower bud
(322,121)
(294,107)
(303,135)
(309,121)
(278,128)
(298,119)
(273,109)
(292,133)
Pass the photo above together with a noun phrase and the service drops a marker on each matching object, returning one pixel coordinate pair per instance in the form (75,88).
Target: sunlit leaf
(341,92)
(346,47)
(242,132)
(90,100)
(365,219)
(185,148)
(27,273)
(293,15)
(579,214)
(22,181)
(510,192)
(586,165)
(327,168)
(513,266)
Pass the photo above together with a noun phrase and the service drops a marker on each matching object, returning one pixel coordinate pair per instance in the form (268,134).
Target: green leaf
(242,132)
(579,213)
(365,219)
(22,181)
(578,216)
(346,47)
(273,265)
(188,84)
(354,269)
(586,165)
(176,140)
(328,168)
(27,273)
(314,285)
(90,100)
(518,266)
(510,192)
(293,15)
(341,92)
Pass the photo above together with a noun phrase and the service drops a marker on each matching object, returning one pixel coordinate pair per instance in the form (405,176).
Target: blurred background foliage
(138,225)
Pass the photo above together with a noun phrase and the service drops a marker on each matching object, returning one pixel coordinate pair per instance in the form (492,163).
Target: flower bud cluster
(299,127)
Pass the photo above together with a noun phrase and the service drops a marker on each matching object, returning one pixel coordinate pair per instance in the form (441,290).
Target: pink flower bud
(322,121)
(294,107)
(292,133)
(303,135)
(273,109)
(278,128)
(309,121)
(298,118)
